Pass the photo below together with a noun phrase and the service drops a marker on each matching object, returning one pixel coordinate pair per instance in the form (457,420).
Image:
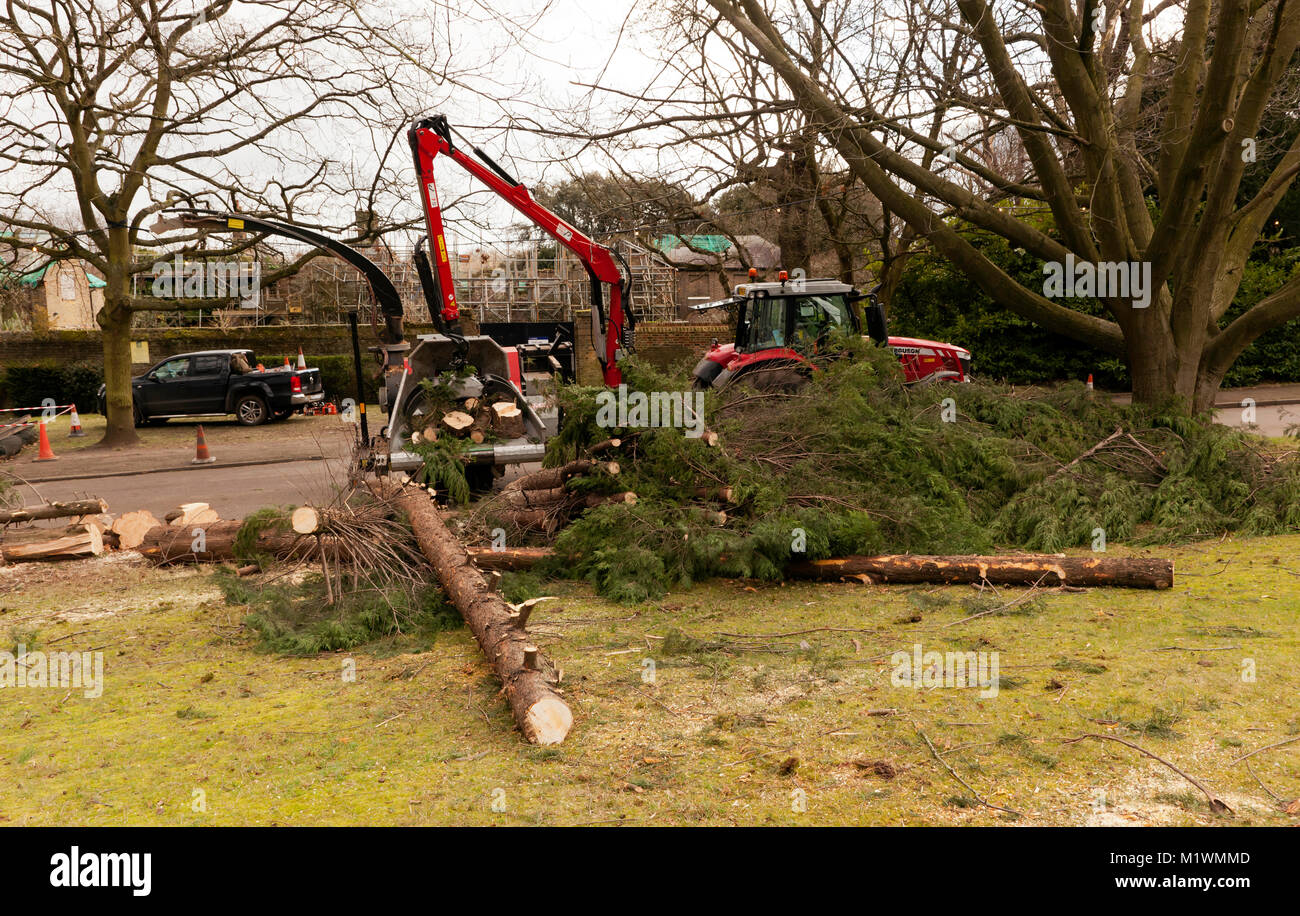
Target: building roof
(701,251)
(33,278)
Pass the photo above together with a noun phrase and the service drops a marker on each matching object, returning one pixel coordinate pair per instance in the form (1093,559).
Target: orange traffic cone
(1089,386)
(201,455)
(76,424)
(302,360)
(287,367)
(46,453)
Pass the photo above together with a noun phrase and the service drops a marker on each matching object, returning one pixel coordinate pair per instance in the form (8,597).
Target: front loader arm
(432,137)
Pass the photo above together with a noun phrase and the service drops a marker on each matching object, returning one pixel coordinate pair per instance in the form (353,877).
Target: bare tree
(1122,173)
(124,107)
(717,123)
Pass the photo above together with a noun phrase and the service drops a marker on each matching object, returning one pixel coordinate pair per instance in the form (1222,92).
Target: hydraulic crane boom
(611,326)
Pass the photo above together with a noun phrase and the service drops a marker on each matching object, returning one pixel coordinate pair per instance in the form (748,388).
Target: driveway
(1268,410)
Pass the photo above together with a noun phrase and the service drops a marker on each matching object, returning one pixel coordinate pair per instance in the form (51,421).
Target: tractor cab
(782,326)
(769,317)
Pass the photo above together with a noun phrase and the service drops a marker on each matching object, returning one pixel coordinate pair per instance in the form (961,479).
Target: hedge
(935,300)
(29,386)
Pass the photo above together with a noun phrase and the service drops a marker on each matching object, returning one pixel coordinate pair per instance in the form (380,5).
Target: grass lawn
(764,704)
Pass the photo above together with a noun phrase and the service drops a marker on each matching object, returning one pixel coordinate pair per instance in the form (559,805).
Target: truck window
(209,365)
(173,369)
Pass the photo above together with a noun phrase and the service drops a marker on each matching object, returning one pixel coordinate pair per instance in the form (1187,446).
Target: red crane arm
(431,138)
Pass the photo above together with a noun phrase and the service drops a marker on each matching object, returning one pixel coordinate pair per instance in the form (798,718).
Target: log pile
(543,501)
(477,419)
(86,537)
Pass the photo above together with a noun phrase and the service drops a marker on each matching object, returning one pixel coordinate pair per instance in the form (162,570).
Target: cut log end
(131,528)
(305,520)
(549,721)
(457,421)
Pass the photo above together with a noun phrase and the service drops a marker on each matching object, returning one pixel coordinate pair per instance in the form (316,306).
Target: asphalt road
(234,492)
(1268,419)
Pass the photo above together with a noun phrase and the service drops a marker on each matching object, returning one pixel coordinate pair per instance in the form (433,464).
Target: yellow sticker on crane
(442,249)
(234,224)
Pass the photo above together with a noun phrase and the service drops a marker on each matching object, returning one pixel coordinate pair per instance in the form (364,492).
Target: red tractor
(782,327)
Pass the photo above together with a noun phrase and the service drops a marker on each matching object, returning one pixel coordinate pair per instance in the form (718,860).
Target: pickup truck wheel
(251,410)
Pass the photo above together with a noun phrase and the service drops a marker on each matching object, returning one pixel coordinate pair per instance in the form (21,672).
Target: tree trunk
(550,478)
(115,319)
(93,506)
(69,547)
(170,544)
(510,558)
(541,715)
(1026,569)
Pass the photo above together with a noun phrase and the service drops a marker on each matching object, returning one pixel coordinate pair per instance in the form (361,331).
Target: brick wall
(665,344)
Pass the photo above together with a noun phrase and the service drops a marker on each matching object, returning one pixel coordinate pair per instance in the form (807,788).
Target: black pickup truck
(210,383)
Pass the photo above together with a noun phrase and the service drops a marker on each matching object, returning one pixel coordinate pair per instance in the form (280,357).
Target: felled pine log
(551,478)
(507,420)
(73,509)
(526,675)
(171,544)
(187,515)
(89,543)
(511,558)
(316,520)
(547,510)
(1025,569)
(548,499)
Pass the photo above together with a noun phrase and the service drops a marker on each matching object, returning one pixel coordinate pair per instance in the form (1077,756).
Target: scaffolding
(522,280)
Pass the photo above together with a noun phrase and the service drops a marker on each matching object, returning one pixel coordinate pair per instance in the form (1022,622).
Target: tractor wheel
(783,377)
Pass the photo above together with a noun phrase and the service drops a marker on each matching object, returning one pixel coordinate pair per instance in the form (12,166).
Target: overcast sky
(575,43)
